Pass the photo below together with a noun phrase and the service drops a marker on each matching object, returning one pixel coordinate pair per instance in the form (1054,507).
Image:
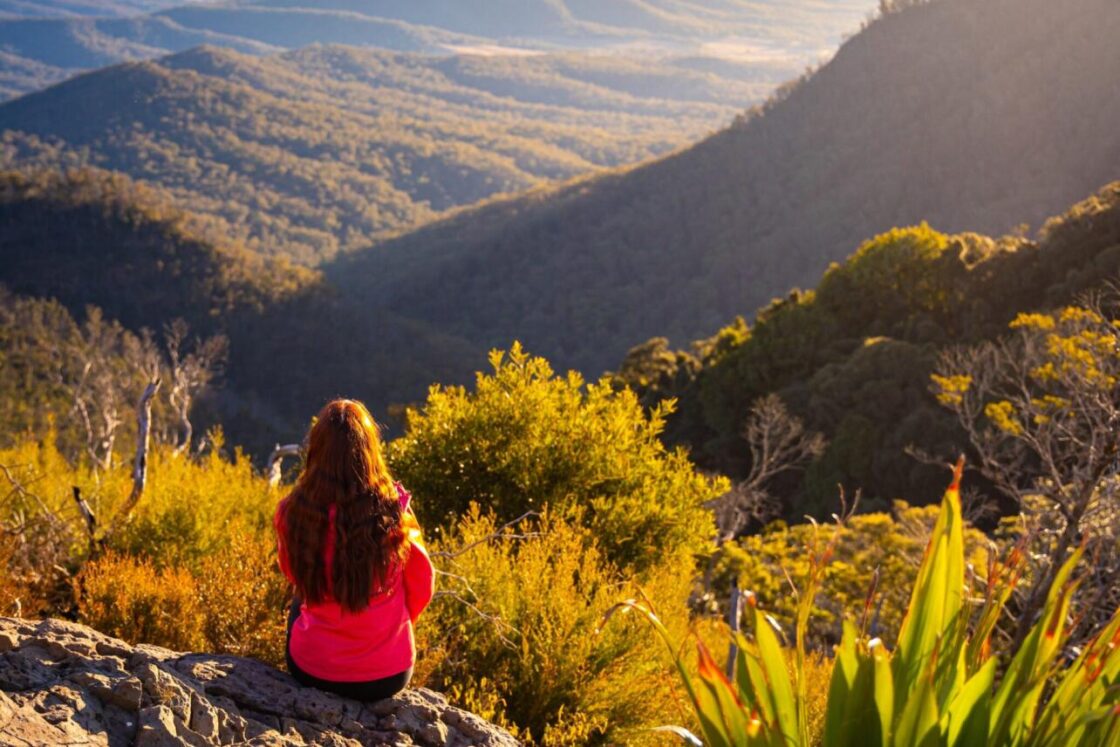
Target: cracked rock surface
(66,684)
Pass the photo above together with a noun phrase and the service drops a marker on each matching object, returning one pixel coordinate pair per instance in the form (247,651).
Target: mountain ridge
(313,151)
(767,46)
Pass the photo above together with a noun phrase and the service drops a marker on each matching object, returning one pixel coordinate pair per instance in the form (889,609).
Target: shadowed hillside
(972,115)
(854,356)
(96,238)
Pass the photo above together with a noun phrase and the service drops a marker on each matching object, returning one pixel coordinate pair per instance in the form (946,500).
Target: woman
(350,545)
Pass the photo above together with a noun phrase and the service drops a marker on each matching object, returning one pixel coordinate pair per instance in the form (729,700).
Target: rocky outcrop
(66,684)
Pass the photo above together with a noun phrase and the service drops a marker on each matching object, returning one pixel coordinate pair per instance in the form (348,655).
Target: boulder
(63,683)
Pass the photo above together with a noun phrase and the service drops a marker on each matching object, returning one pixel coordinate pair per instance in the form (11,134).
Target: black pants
(367,691)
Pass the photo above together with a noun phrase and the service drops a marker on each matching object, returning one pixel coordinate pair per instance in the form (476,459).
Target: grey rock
(434,734)
(63,683)
(204,717)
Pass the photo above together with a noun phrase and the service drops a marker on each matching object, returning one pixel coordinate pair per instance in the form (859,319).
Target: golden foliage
(536,662)
(890,544)
(130,598)
(245,598)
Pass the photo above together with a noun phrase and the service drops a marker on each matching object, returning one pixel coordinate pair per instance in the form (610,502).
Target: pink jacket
(339,646)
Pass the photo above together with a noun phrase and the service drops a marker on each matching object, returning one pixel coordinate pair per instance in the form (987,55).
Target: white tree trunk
(140,465)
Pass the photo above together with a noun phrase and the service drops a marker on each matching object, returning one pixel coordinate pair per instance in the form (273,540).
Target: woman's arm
(419,579)
(419,575)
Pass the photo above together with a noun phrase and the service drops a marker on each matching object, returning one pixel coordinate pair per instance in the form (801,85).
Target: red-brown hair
(344,468)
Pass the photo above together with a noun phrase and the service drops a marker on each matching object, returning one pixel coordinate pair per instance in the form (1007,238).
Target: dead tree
(140,463)
(274,470)
(90,368)
(779,443)
(188,374)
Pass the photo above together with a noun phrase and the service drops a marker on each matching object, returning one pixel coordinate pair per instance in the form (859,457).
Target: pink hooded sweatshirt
(339,646)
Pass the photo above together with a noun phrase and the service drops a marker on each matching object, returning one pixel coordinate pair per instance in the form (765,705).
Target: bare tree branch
(778,443)
(1041,410)
(498,534)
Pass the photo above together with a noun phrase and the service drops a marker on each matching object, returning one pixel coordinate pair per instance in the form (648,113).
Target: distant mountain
(326,148)
(972,115)
(758,41)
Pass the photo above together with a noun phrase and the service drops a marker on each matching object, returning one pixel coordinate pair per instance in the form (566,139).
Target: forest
(48,41)
(324,149)
(894,130)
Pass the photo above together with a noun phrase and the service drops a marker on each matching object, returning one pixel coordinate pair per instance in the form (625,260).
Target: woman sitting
(350,545)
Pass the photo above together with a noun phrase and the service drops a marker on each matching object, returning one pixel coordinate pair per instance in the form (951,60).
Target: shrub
(937,687)
(189,506)
(513,635)
(526,439)
(130,598)
(889,545)
(244,598)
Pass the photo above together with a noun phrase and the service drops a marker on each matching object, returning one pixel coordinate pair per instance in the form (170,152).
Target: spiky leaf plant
(938,687)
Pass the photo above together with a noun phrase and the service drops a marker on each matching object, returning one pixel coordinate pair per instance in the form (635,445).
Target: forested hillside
(323,149)
(854,357)
(971,115)
(759,42)
(94,239)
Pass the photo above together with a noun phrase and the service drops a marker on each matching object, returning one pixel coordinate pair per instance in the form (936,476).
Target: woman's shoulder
(403,495)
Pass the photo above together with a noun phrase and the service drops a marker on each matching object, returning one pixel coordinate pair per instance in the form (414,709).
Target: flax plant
(942,684)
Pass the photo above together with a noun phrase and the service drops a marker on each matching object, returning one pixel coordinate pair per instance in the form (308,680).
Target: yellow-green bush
(526,438)
(189,506)
(244,598)
(183,516)
(513,633)
(195,567)
(767,563)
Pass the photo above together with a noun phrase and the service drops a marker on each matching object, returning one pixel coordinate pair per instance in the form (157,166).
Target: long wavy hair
(344,468)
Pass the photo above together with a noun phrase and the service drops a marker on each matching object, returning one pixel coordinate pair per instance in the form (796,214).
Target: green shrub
(526,439)
(889,544)
(938,685)
(513,634)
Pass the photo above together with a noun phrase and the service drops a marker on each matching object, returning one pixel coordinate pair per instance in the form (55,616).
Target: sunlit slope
(326,148)
(973,115)
(757,42)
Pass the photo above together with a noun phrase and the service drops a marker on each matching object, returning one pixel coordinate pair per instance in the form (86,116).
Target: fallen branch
(498,533)
(276,462)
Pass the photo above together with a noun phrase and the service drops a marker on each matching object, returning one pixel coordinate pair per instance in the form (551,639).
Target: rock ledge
(66,684)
